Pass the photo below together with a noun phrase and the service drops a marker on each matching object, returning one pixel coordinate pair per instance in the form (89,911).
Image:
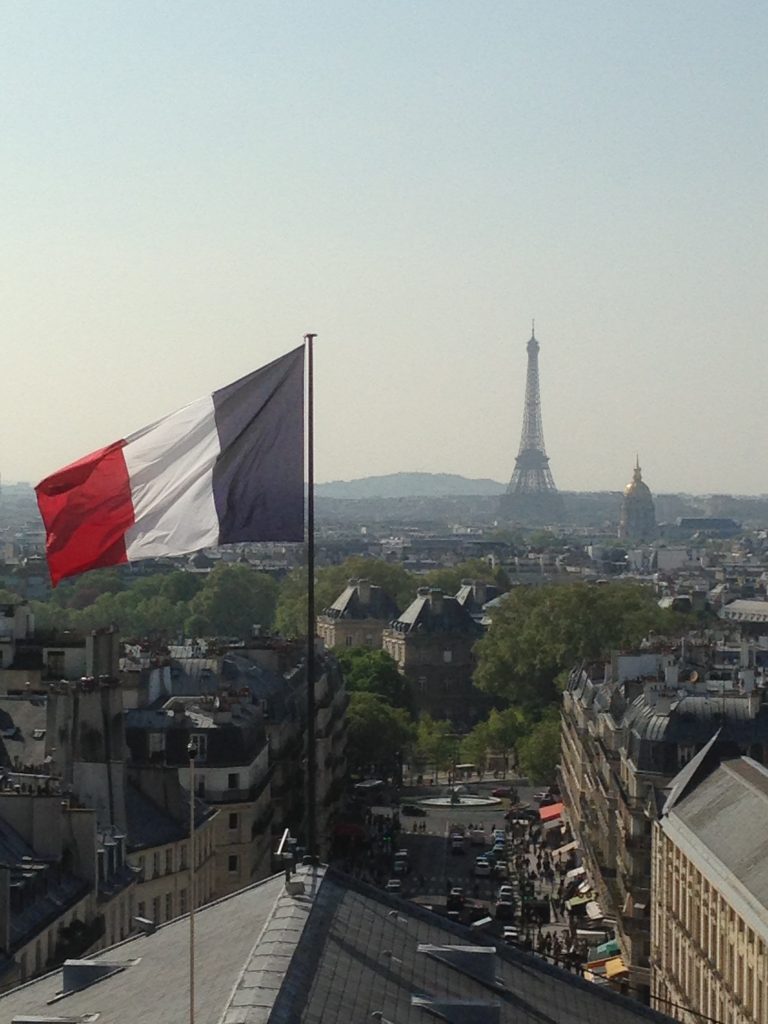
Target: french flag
(227,468)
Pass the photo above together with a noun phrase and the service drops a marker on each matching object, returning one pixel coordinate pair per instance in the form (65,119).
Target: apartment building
(628,727)
(358,616)
(709,936)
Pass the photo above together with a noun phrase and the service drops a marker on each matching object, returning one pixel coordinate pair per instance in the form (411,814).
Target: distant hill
(409,485)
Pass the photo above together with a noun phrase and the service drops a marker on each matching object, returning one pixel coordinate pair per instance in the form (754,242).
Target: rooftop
(339,951)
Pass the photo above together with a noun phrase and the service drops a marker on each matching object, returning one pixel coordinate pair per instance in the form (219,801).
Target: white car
(482,867)
(506,892)
(394,885)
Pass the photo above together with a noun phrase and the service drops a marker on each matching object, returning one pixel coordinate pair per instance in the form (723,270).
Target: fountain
(459,800)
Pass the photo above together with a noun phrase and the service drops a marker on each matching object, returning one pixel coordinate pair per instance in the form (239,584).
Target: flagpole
(311,755)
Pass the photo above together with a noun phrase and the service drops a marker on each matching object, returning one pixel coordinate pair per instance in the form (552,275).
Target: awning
(608,948)
(615,967)
(594,911)
(565,849)
(551,812)
(576,872)
(576,901)
(549,826)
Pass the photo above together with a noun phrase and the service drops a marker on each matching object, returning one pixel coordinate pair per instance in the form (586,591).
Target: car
(511,934)
(505,910)
(498,833)
(501,870)
(400,867)
(482,867)
(413,811)
(401,855)
(506,892)
(457,844)
(501,791)
(394,885)
(499,849)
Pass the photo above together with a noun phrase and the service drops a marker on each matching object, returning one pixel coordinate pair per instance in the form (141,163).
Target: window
(141,909)
(232,863)
(348,641)
(233,780)
(155,865)
(169,860)
(447,656)
(233,821)
(168,906)
(183,856)
(200,741)
(55,662)
(182,901)
(156,910)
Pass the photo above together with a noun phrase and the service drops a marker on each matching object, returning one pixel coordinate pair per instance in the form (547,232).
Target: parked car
(394,885)
(482,867)
(501,870)
(502,791)
(457,844)
(506,892)
(400,866)
(477,837)
(505,910)
(413,811)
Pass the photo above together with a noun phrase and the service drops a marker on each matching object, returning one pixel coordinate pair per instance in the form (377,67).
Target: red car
(501,791)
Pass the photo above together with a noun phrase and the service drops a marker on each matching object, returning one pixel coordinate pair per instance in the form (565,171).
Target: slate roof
(349,605)
(420,616)
(149,825)
(719,823)
(20,718)
(336,954)
(155,989)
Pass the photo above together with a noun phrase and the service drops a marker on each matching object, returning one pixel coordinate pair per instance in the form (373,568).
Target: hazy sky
(189,187)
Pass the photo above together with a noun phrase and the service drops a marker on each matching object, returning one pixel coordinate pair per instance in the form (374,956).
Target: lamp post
(192,751)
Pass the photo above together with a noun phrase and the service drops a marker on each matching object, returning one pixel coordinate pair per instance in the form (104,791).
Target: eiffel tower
(531,495)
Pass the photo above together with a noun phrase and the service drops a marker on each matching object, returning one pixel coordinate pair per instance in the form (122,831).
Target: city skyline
(188,191)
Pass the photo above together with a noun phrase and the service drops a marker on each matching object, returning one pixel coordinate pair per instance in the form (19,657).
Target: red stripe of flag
(86,508)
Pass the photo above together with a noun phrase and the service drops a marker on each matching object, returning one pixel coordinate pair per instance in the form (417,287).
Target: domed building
(638,515)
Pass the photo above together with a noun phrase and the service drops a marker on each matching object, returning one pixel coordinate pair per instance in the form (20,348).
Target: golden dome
(637,488)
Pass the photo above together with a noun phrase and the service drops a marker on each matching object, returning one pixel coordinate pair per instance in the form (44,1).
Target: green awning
(608,948)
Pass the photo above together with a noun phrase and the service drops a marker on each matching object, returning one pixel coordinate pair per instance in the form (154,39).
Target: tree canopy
(377,734)
(374,671)
(537,633)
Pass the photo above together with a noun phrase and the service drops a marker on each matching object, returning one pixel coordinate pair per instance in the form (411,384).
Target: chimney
(480,592)
(436,601)
(364,591)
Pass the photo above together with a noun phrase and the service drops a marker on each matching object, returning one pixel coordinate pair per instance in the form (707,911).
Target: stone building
(709,935)
(358,616)
(627,729)
(637,521)
(432,643)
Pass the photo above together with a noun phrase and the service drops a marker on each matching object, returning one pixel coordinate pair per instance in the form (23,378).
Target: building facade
(709,950)
(358,616)
(627,729)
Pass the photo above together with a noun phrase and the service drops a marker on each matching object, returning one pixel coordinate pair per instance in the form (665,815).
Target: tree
(377,734)
(537,633)
(448,579)
(436,743)
(498,734)
(539,751)
(374,671)
(233,599)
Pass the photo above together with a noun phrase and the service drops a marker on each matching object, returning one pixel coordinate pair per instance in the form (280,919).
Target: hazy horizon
(188,189)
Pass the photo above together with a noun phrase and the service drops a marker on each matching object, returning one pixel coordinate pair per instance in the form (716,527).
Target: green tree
(538,633)
(436,743)
(180,586)
(498,734)
(448,579)
(378,735)
(374,671)
(539,750)
(233,599)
